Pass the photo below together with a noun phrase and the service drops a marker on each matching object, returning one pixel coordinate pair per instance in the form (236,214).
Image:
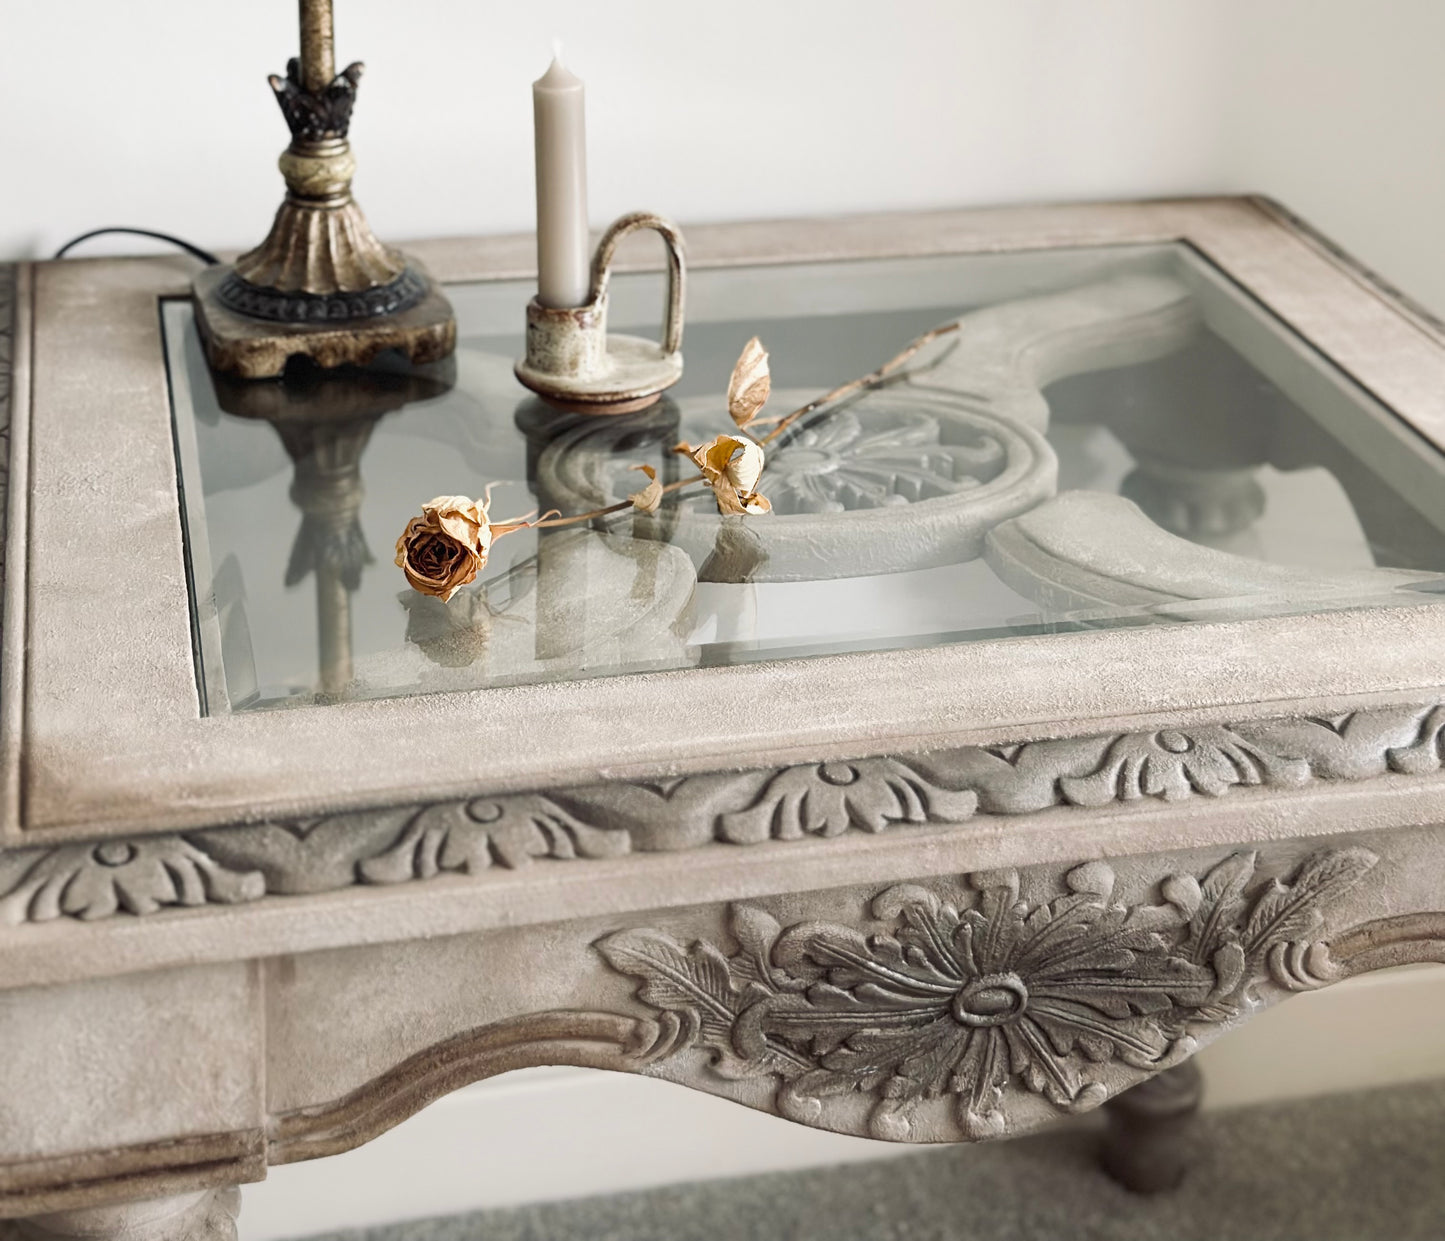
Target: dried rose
(732,468)
(647,500)
(750,384)
(446,547)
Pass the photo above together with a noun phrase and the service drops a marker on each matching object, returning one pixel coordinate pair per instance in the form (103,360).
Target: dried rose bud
(732,468)
(750,384)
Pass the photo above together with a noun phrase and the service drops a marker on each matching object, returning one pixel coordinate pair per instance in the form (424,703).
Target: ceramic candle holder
(574,364)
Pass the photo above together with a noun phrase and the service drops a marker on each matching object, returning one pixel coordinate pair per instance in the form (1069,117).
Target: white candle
(559,117)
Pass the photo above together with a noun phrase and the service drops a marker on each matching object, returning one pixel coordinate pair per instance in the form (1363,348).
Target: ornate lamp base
(254,347)
(320,285)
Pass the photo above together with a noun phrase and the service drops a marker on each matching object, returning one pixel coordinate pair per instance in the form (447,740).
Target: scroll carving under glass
(1116,437)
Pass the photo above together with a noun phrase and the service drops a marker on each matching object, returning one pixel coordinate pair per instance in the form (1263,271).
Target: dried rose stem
(784,421)
(620,506)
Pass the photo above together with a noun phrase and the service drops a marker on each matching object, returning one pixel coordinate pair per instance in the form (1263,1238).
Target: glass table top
(1116,436)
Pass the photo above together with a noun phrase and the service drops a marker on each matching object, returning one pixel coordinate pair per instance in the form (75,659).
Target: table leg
(206,1216)
(1152,1130)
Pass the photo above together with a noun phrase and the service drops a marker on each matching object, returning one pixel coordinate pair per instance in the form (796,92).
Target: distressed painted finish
(206,1216)
(176,772)
(943,790)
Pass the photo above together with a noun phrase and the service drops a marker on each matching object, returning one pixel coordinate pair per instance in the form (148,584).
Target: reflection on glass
(1117,437)
(324,421)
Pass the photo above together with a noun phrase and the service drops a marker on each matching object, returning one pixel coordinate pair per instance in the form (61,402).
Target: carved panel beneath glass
(1113,437)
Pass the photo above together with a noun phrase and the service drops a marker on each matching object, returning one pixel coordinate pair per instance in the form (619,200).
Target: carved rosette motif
(973,994)
(909,478)
(833,464)
(944,789)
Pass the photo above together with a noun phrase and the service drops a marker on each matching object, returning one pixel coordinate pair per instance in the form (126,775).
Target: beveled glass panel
(1114,437)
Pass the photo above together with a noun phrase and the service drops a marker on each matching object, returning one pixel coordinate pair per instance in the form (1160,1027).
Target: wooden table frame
(230,941)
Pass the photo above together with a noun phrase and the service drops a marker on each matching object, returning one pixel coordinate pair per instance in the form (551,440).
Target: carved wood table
(1082,696)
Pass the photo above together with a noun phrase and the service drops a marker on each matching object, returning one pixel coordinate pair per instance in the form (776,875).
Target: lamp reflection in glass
(325,420)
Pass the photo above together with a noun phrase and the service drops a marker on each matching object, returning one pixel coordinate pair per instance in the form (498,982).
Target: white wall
(156,113)
(1337,108)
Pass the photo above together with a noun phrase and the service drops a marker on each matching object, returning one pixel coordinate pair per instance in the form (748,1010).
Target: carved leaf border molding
(228,865)
(972,996)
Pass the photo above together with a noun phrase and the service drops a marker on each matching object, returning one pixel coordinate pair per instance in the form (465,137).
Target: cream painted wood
(103,417)
(229,941)
(207,1215)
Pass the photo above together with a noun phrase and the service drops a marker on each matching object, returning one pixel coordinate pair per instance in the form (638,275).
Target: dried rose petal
(463,519)
(647,500)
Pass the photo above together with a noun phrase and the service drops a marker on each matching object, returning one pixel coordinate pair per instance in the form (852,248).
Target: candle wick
(556,50)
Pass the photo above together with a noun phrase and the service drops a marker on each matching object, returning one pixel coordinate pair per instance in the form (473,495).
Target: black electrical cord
(209,259)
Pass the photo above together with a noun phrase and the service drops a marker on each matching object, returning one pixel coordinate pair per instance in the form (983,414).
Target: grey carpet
(1367,1167)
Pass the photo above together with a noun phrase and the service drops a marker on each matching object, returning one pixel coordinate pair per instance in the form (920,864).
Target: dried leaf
(751,383)
(712,457)
(647,500)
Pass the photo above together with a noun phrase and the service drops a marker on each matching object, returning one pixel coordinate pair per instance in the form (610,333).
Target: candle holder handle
(676,268)
(572,361)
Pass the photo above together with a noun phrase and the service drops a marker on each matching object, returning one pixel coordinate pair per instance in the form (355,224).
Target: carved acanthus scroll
(974,995)
(943,790)
(932,1012)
